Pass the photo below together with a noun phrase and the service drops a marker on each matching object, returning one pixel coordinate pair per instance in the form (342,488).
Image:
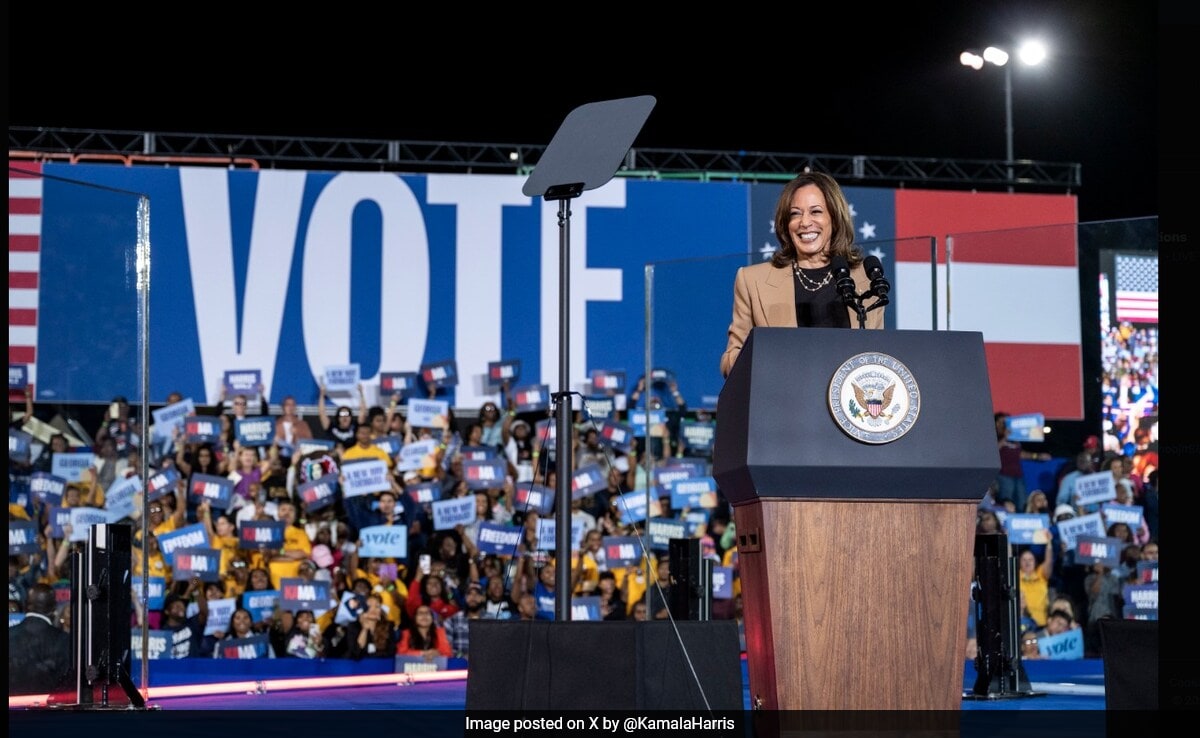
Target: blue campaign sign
(22,537)
(170,417)
(158,644)
(204,563)
(241,381)
(401,384)
(220,612)
(1084,525)
(1026,528)
(162,483)
(478,453)
(722,582)
(631,507)
(216,491)
(536,497)
(547,539)
(585,608)
(18,377)
(19,443)
(261,603)
(545,434)
(608,381)
(251,647)
(351,606)
(697,492)
(699,467)
(47,488)
(319,493)
(1091,489)
(202,429)
(637,420)
(427,413)
(621,550)
(587,480)
(256,431)
(121,499)
(365,477)
(156,589)
(383,541)
(14,618)
(311,445)
(1098,550)
(494,538)
(82,520)
(698,435)
(660,531)
(440,374)
(69,466)
(616,435)
(532,398)
(694,520)
(504,372)
(417,455)
(261,535)
(341,378)
(1026,428)
(1141,596)
(485,473)
(1130,515)
(391,445)
(297,593)
(1129,612)
(668,475)
(409,664)
(19,495)
(599,407)
(189,536)
(424,492)
(1147,572)
(58,517)
(1068,645)
(453,512)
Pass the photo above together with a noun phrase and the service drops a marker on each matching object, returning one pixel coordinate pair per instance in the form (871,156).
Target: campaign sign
(424,492)
(351,606)
(193,536)
(1147,572)
(241,381)
(453,512)
(637,420)
(1068,645)
(158,644)
(616,435)
(669,475)
(409,664)
(1141,596)
(586,608)
(722,582)
(156,591)
(261,603)
(1129,612)
(500,373)
(1084,525)
(364,478)
(298,593)
(440,374)
(1030,427)
(661,530)
(391,445)
(196,562)
(170,417)
(397,383)
(121,499)
(621,551)
(547,537)
(384,541)
(220,611)
(309,445)
(18,494)
(485,474)
(632,507)
(427,413)
(599,407)
(1098,550)
(536,497)
(417,455)
(69,466)
(162,483)
(532,398)
(607,381)
(342,377)
(661,377)
(695,519)
(1093,488)
(318,493)
(698,492)
(47,488)
(699,467)
(494,538)
(14,618)
(202,429)
(82,520)
(22,537)
(546,434)
(1130,515)
(587,480)
(1025,528)
(698,435)
(19,443)
(57,518)
(256,431)
(478,453)
(251,647)
(216,491)
(18,377)
(262,535)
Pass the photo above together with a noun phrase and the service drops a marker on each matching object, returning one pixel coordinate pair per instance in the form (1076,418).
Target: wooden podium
(856,546)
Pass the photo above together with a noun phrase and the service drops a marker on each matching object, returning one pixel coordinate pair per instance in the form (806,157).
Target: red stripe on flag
(17,242)
(23,280)
(24,169)
(1036,378)
(21,354)
(24,206)
(22,316)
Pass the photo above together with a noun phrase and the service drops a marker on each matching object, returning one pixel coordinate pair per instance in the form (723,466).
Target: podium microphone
(843,282)
(879,283)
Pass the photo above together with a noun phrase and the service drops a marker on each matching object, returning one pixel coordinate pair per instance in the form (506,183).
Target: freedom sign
(155,591)
(1030,427)
(493,538)
(383,541)
(1130,515)
(256,431)
(190,536)
(47,488)
(485,474)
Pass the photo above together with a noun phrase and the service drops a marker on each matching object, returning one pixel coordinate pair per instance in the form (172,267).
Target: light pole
(1030,53)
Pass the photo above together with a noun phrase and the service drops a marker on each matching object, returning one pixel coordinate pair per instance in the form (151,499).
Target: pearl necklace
(806,280)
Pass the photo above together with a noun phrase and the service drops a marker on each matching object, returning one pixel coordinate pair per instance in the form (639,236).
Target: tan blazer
(765,295)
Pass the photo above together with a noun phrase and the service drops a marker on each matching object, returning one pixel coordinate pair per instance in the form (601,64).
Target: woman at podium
(800,285)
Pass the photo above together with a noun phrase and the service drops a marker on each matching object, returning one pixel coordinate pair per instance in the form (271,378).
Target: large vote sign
(383,541)
(1068,645)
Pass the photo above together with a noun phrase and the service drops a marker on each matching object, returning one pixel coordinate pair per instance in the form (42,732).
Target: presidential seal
(874,398)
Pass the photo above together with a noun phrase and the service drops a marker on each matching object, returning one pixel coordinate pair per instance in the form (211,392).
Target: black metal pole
(562,453)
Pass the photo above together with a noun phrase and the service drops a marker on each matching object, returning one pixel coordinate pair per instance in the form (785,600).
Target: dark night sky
(784,82)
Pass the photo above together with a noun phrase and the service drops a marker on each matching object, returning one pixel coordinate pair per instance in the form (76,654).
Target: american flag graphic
(24,246)
(1137,289)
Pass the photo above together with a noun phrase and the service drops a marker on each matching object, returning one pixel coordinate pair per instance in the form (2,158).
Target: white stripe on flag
(912,302)
(24,187)
(1016,304)
(23,299)
(24,225)
(23,261)
(22,335)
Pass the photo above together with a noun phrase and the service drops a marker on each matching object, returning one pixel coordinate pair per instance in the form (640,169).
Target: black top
(824,307)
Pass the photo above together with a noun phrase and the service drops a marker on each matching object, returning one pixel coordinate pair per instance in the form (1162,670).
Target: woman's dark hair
(418,642)
(841,241)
